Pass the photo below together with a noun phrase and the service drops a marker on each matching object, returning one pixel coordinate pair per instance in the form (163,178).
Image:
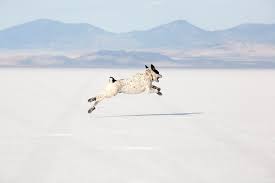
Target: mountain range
(180,34)
(49,43)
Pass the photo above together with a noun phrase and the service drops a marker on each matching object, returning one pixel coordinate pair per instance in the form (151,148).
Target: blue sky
(128,15)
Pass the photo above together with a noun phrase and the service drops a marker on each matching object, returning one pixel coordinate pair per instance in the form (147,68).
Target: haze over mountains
(168,43)
(44,33)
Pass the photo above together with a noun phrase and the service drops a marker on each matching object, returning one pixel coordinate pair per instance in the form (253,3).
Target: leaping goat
(137,84)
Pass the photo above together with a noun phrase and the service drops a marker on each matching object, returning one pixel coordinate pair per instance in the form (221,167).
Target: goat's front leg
(155,89)
(158,90)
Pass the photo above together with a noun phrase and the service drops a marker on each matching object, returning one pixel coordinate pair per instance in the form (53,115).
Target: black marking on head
(113,79)
(154,69)
(146,67)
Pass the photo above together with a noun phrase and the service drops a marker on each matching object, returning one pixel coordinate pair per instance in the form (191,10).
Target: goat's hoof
(91,110)
(92,99)
(159,93)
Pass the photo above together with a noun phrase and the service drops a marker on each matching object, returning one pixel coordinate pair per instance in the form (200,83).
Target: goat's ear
(146,66)
(153,67)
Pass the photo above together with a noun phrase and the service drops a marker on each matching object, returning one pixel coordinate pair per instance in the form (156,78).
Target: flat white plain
(209,126)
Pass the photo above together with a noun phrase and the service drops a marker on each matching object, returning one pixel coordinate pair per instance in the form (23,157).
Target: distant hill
(123,59)
(103,58)
(177,34)
(250,33)
(49,34)
(46,33)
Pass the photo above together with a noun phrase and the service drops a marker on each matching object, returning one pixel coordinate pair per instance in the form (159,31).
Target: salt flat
(209,126)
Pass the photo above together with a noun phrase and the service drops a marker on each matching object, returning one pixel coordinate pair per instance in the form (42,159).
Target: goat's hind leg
(91,109)
(97,99)
(92,99)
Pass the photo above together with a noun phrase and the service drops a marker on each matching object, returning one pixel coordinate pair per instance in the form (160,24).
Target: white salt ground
(209,126)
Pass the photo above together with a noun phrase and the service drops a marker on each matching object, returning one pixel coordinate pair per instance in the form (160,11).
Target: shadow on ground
(151,114)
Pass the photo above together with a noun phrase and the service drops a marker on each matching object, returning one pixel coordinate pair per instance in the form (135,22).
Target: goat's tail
(112,80)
